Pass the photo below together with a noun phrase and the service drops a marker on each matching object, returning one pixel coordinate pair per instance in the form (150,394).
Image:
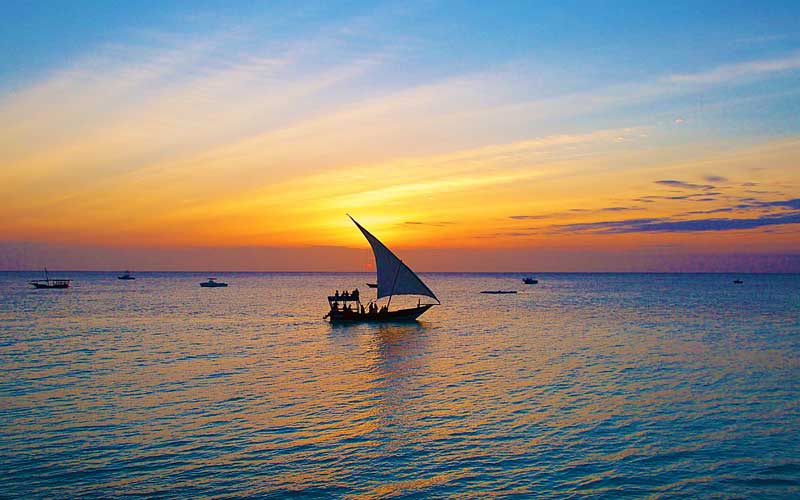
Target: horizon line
(113,271)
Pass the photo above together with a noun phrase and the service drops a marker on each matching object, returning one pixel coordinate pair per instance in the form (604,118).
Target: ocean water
(585,385)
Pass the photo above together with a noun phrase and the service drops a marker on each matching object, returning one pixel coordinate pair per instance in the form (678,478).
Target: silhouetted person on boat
(345,294)
(336,294)
(355,294)
(362,309)
(383,310)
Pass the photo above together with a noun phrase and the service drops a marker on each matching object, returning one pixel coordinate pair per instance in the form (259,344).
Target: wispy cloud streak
(679,226)
(683,185)
(738,71)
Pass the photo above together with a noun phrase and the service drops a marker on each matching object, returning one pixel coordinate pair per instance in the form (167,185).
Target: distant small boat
(499,292)
(126,276)
(50,283)
(372,285)
(212,283)
(738,281)
(530,281)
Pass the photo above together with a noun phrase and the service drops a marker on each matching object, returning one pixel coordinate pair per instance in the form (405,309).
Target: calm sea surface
(602,385)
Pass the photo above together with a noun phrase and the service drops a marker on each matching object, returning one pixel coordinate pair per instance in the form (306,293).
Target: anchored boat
(213,283)
(50,283)
(126,276)
(394,278)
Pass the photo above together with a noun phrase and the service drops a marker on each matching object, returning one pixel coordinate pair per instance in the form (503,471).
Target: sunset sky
(541,136)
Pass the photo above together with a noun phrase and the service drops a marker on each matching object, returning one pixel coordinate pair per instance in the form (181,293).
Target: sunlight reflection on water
(581,385)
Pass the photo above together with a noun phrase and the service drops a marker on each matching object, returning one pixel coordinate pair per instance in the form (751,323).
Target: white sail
(394,277)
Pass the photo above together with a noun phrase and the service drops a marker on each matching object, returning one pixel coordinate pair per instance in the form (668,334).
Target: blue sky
(612,39)
(551,47)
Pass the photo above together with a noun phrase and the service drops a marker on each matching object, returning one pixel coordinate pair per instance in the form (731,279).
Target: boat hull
(42,285)
(382,317)
(213,285)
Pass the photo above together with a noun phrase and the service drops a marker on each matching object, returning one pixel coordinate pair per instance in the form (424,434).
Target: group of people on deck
(347,297)
(372,308)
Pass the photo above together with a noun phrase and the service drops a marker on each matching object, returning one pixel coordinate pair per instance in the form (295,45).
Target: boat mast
(394,281)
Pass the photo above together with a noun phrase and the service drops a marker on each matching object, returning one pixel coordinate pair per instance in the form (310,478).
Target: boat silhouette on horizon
(213,283)
(126,276)
(48,282)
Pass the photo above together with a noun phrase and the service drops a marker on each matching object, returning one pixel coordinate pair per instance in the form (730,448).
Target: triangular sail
(394,277)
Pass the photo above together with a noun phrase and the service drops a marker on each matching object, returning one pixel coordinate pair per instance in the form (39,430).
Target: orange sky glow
(169,146)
